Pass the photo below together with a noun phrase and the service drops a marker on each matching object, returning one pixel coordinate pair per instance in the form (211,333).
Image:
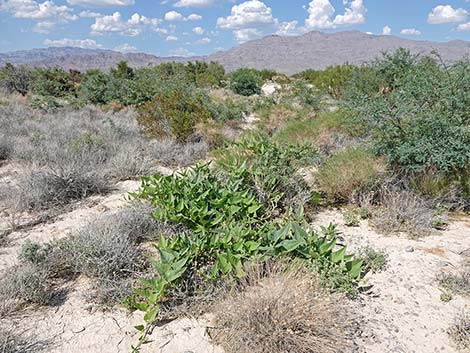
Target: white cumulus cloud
(125,48)
(171,38)
(410,32)
(38,11)
(463,27)
(246,34)
(67,42)
(248,14)
(194,17)
(204,41)
(114,23)
(321,14)
(446,14)
(173,16)
(101,2)
(193,3)
(386,31)
(198,30)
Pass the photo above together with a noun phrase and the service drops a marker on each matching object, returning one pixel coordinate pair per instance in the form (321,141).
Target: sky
(199,27)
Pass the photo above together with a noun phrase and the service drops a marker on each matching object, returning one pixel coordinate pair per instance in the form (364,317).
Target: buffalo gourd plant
(225,226)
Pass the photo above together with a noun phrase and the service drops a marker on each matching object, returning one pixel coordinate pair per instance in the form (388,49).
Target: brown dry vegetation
(279,308)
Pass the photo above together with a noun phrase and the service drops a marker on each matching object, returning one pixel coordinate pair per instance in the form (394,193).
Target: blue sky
(188,27)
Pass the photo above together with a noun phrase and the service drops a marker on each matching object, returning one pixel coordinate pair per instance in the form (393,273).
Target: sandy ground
(402,312)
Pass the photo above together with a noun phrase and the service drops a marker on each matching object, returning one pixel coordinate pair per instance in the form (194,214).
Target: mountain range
(286,54)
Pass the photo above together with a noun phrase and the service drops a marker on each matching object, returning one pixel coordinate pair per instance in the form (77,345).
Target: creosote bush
(278,308)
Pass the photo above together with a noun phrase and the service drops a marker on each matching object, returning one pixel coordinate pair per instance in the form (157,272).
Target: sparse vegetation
(460,330)
(236,234)
(282,309)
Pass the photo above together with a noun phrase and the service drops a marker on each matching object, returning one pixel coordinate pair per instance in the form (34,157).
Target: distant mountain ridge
(312,50)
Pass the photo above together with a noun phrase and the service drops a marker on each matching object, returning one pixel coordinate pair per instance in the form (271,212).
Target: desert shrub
(93,88)
(21,285)
(46,190)
(460,330)
(54,82)
(418,120)
(205,74)
(278,309)
(317,130)
(16,79)
(403,211)
(374,260)
(269,170)
(12,341)
(331,80)
(347,171)
(227,110)
(107,247)
(245,82)
(226,226)
(172,153)
(173,114)
(306,94)
(75,157)
(457,283)
(122,71)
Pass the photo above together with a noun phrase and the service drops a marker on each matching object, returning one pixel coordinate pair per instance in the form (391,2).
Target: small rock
(102,208)
(409,249)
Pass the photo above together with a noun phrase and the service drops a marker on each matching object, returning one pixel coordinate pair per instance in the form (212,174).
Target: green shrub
(269,169)
(331,80)
(314,130)
(245,82)
(16,79)
(54,82)
(93,89)
(227,226)
(347,171)
(174,113)
(419,117)
(306,94)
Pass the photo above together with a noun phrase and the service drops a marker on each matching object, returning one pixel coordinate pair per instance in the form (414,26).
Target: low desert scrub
(13,342)
(347,171)
(22,285)
(401,210)
(106,250)
(279,308)
(374,260)
(72,154)
(458,283)
(318,130)
(460,331)
(171,153)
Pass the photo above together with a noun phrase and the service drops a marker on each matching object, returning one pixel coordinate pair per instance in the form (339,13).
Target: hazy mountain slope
(81,59)
(289,55)
(318,50)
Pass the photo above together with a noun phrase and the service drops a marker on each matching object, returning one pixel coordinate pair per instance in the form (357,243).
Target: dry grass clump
(460,331)
(393,206)
(347,171)
(458,283)
(280,309)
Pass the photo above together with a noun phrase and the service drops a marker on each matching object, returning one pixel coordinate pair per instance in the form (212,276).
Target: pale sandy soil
(402,312)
